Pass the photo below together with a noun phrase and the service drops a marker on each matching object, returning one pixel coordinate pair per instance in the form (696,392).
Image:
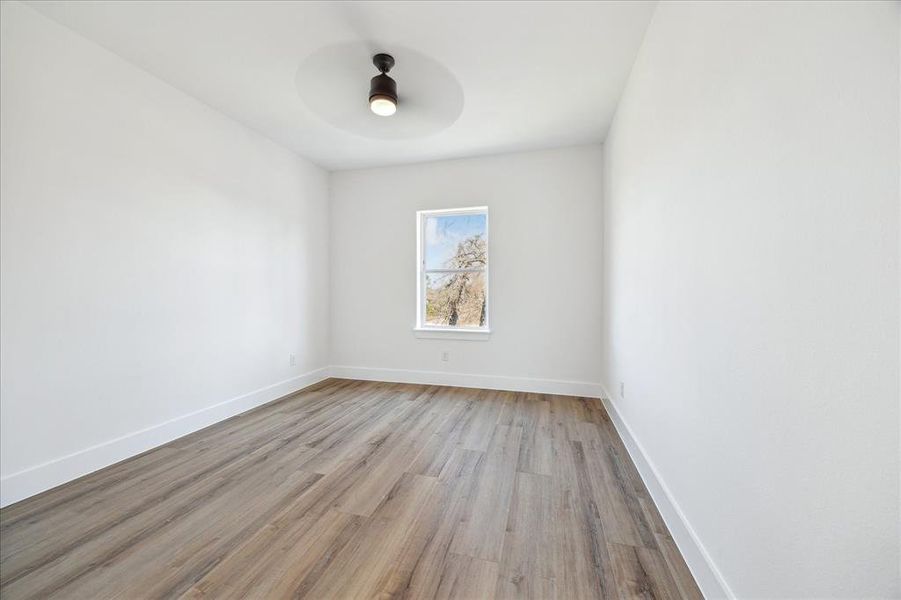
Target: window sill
(435,333)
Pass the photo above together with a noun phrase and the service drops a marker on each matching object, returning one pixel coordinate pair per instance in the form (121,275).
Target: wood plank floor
(353,489)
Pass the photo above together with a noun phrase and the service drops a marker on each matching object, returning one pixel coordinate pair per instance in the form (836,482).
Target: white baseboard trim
(491,382)
(50,474)
(699,561)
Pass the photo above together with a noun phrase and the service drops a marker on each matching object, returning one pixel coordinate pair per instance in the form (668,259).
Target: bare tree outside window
(454,269)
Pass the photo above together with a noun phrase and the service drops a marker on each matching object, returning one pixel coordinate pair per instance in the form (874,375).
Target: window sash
(421,299)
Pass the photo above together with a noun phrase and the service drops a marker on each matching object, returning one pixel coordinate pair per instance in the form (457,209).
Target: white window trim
(421,330)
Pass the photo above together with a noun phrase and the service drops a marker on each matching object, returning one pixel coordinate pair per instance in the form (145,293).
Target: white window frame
(447,331)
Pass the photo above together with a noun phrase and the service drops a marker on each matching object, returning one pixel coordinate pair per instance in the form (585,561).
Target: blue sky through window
(442,234)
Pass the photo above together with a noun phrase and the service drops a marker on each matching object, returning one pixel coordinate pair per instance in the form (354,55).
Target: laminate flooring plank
(379,427)
(369,555)
(536,452)
(391,460)
(467,577)
(582,568)
(531,587)
(527,561)
(642,573)
(621,513)
(481,534)
(441,445)
(418,568)
(282,560)
(481,416)
(655,521)
(685,582)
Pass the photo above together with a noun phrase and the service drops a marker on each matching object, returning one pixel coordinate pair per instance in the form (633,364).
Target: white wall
(157,259)
(545,214)
(751,286)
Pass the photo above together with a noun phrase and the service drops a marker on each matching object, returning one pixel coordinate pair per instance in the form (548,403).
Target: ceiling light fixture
(383,89)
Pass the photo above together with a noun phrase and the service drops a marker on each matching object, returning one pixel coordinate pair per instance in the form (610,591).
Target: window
(452,290)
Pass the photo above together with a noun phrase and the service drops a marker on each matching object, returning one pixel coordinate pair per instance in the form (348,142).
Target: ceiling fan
(382,88)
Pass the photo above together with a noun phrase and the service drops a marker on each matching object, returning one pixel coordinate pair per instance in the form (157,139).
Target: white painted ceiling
(528,75)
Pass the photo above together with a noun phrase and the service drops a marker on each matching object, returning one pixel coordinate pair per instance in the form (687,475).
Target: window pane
(455,299)
(455,242)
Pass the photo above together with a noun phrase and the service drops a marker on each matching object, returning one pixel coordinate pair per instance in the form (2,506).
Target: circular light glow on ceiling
(328,83)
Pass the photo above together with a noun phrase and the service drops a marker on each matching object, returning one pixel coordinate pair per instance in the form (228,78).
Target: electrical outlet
(622,390)
(445,356)
(292,360)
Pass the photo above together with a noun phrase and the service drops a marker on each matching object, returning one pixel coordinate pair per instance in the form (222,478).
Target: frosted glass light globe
(383,106)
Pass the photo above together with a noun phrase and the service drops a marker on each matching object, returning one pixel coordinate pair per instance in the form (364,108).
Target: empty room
(450,299)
